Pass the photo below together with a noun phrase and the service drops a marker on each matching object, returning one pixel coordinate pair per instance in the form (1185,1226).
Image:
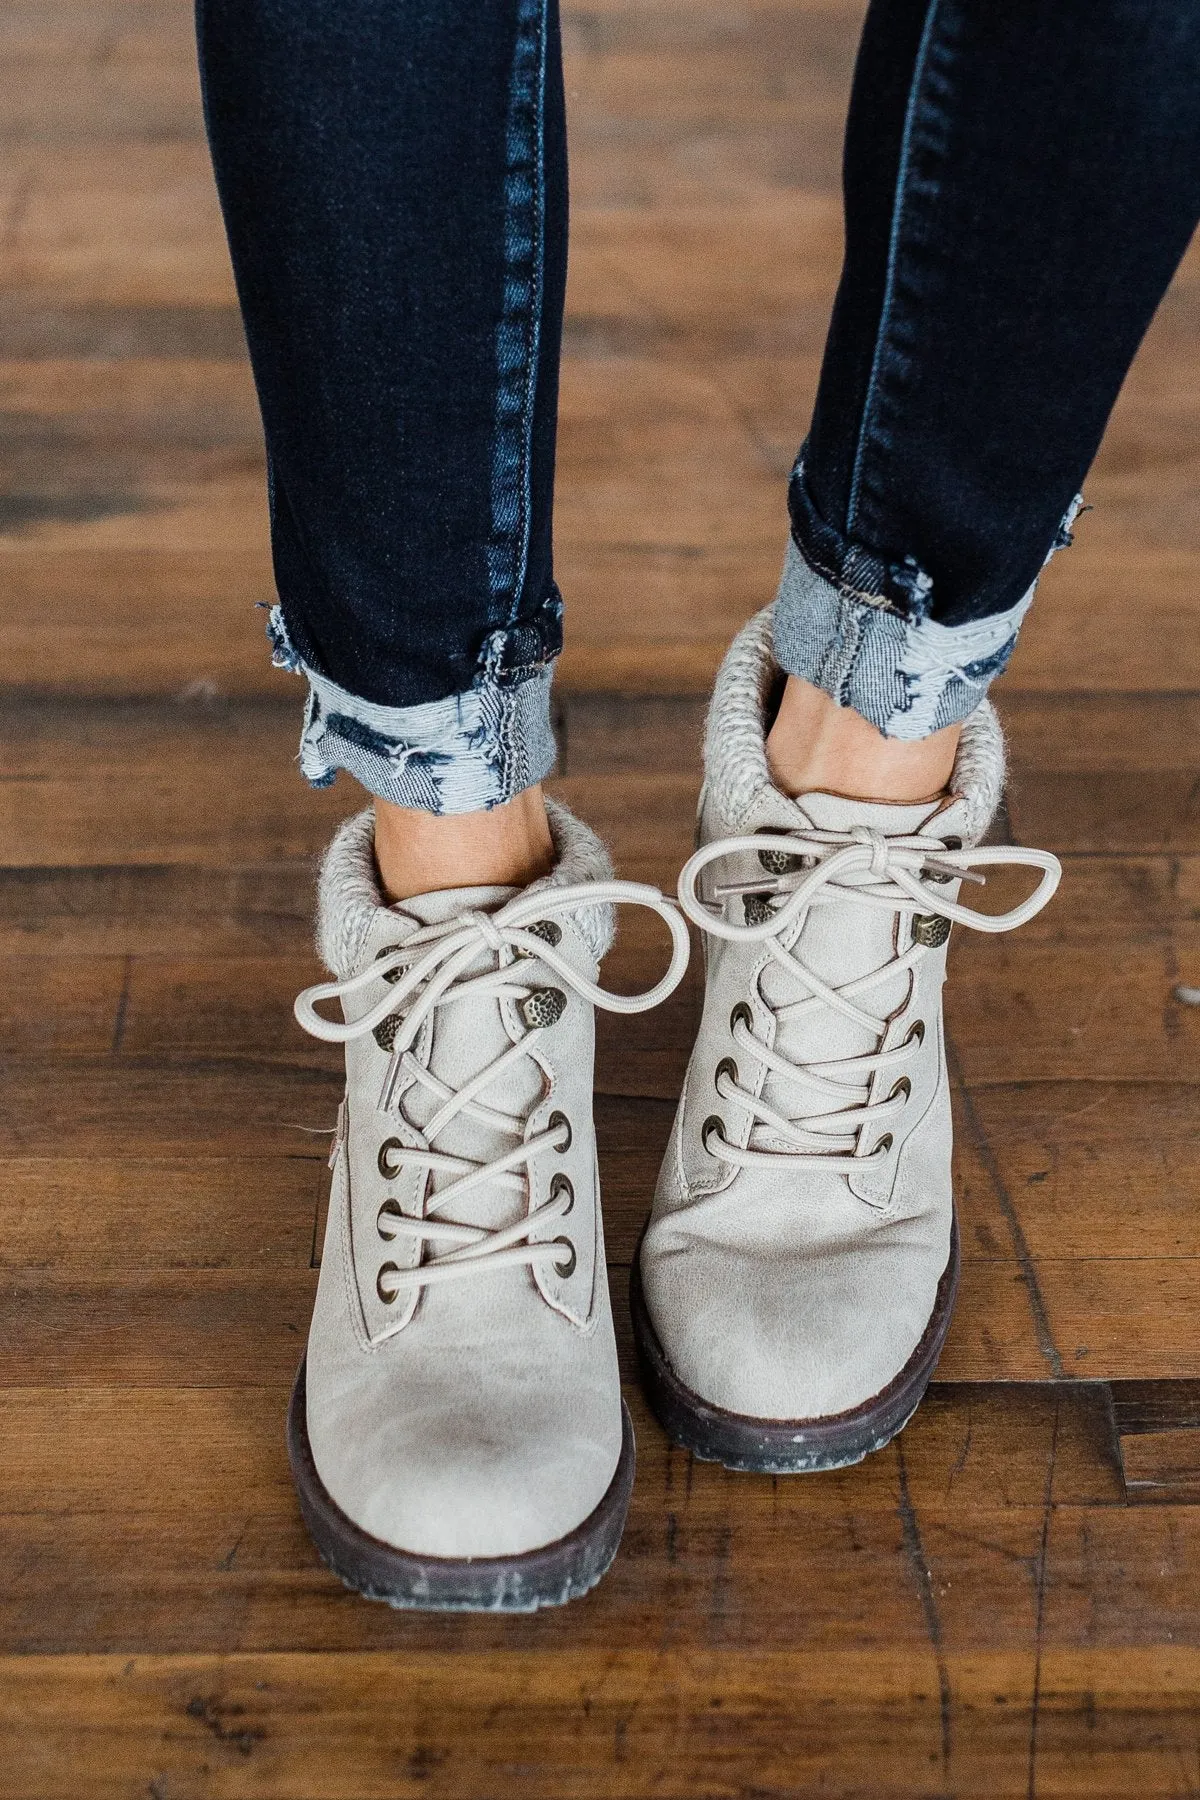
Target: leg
(1021,181)
(393,178)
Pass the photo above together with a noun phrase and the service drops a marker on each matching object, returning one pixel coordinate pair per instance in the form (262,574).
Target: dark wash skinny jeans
(1021,180)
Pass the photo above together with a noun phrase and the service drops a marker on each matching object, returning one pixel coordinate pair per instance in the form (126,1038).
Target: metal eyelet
(562,1185)
(553,1122)
(884,1145)
(385,1032)
(950,843)
(726,1066)
(563,1270)
(386,1269)
(547,930)
(394,1211)
(391,975)
(779,862)
(930,929)
(741,1014)
(711,1124)
(545,1006)
(757,909)
(903,1086)
(385,1167)
(916,1034)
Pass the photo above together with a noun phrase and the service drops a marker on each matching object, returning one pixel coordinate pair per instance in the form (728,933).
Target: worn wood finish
(1003,1603)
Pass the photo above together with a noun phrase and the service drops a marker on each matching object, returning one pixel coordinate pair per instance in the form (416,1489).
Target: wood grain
(1002,1603)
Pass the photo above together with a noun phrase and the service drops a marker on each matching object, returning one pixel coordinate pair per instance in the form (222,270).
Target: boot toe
(775,1339)
(458,1481)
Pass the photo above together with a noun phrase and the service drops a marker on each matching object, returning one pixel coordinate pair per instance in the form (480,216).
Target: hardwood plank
(109,1106)
(88,1215)
(209,1551)
(1090,1169)
(1060,1012)
(285,1726)
(195,1328)
(62,1005)
(89,620)
(1119,1318)
(253,1726)
(164,784)
(1162,1466)
(172,910)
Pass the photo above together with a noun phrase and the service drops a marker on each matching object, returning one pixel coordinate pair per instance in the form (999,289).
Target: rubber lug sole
(789,1446)
(549,1576)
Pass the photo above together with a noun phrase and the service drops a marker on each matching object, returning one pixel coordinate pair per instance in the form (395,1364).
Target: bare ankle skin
(421,853)
(817,745)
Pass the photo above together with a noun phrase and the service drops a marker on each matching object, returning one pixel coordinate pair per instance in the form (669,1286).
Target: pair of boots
(457,1433)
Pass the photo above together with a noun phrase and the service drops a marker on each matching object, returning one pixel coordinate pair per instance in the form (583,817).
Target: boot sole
(549,1576)
(789,1446)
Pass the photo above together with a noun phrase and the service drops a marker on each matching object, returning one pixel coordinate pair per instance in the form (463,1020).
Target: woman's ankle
(421,853)
(815,745)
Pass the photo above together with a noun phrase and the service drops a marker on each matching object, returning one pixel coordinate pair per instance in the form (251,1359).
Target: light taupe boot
(795,1281)
(457,1434)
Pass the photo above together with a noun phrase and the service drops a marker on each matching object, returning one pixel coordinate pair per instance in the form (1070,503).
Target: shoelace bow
(427,972)
(894,867)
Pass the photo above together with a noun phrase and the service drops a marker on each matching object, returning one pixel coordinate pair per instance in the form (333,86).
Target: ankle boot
(795,1282)
(457,1434)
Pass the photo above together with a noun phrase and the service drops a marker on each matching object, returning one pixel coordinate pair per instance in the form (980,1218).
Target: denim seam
(518,334)
(889,294)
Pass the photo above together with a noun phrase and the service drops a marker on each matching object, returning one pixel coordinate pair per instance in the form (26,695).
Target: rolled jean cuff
(908,677)
(465,753)
(859,628)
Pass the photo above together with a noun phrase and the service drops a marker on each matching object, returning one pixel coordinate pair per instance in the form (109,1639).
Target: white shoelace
(895,866)
(427,972)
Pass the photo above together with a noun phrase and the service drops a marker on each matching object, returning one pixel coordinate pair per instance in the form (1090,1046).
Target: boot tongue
(839,941)
(468,1035)
(450,903)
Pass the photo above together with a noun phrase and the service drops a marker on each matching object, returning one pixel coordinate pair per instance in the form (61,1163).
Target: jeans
(1021,181)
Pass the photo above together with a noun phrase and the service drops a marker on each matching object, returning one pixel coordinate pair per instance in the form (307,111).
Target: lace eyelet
(553,1122)
(562,1268)
(916,1034)
(930,930)
(385,1032)
(385,1168)
(903,1086)
(884,1145)
(726,1066)
(545,1006)
(950,843)
(757,909)
(388,1268)
(711,1124)
(562,1185)
(390,975)
(779,862)
(392,1210)
(741,1015)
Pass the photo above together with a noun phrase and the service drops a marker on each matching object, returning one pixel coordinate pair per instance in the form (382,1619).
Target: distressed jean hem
(908,676)
(465,753)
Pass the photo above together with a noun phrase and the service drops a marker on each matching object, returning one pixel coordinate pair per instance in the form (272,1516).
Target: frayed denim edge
(466,753)
(908,676)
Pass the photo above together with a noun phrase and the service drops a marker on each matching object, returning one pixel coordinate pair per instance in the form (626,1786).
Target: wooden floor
(1006,1602)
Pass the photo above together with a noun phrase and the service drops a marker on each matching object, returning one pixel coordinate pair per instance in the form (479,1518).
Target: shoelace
(427,972)
(894,867)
